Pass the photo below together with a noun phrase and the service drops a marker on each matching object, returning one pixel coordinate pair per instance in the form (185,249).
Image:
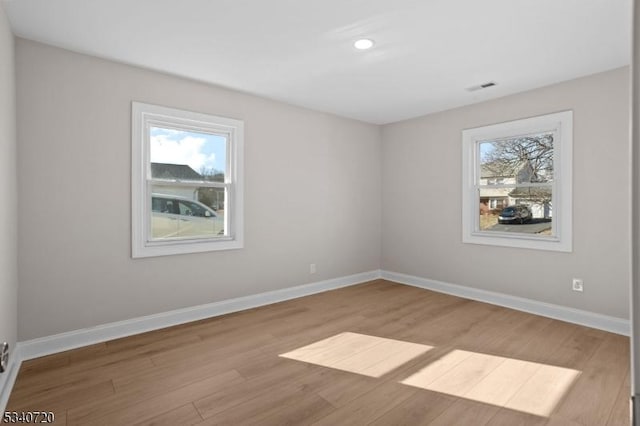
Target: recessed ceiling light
(363,44)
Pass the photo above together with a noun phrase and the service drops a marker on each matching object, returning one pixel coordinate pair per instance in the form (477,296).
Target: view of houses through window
(515,184)
(188,189)
(186,181)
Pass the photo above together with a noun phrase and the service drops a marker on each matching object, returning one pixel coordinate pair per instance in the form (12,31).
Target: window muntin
(525,164)
(187,186)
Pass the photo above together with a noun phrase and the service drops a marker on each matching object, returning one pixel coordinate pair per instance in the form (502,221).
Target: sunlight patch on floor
(511,383)
(359,353)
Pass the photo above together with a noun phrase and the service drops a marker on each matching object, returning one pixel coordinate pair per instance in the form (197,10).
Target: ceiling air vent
(481,86)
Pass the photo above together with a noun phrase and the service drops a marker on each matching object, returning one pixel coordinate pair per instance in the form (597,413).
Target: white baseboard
(78,338)
(563,313)
(74,339)
(8,378)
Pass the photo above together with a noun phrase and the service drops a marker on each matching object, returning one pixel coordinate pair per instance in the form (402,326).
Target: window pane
(187,156)
(212,197)
(215,199)
(187,182)
(175,216)
(524,165)
(522,159)
(519,209)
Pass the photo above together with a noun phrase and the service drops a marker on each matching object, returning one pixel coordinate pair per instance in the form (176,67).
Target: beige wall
(8,195)
(422,199)
(312,195)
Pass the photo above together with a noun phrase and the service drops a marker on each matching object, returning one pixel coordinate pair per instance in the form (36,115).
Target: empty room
(331,213)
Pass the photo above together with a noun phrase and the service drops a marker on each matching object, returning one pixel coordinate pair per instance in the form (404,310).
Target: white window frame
(144,116)
(561,124)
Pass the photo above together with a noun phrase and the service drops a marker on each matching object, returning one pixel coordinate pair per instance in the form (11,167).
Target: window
(186,182)
(517,183)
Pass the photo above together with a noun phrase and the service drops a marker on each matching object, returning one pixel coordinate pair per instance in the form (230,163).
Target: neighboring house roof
(487,171)
(523,172)
(528,192)
(494,192)
(174,171)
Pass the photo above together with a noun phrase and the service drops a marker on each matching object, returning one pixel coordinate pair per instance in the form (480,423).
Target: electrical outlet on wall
(577,285)
(312,268)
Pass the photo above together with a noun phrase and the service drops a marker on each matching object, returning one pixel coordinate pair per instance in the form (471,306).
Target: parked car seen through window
(178,217)
(515,214)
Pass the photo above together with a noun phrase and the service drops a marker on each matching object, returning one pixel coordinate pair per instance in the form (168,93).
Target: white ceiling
(301,51)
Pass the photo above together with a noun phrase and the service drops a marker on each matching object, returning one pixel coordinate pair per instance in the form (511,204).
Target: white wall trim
(8,378)
(563,313)
(143,117)
(88,336)
(78,338)
(560,124)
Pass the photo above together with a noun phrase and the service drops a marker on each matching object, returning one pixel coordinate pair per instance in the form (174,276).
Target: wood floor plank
(503,383)
(543,391)
(296,334)
(131,412)
(483,336)
(150,345)
(300,410)
(466,412)
(59,401)
(87,352)
(134,392)
(555,421)
(261,319)
(370,406)
(596,391)
(349,387)
(161,377)
(210,350)
(576,350)
(38,365)
(420,409)
(59,380)
(106,364)
(184,416)
(621,413)
(284,405)
(235,395)
(359,353)
(554,335)
(515,340)
(506,417)
(482,359)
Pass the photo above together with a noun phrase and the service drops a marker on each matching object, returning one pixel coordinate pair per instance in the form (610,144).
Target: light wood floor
(441,360)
